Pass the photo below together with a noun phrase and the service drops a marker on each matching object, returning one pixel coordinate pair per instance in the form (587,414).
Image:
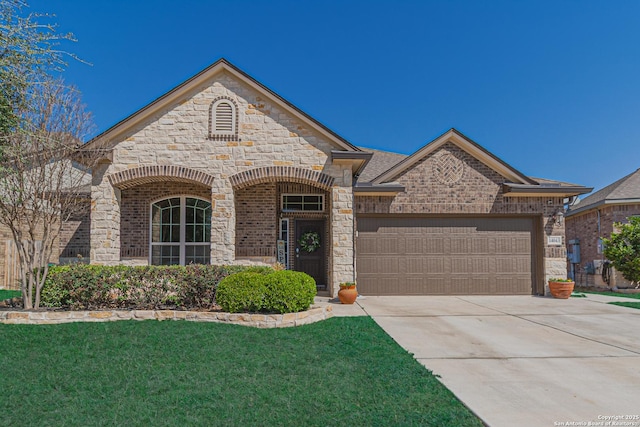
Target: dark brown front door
(313,263)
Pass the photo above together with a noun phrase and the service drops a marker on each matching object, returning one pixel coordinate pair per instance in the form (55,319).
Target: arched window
(180,231)
(224,120)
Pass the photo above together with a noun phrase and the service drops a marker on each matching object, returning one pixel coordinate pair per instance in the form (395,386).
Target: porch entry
(310,256)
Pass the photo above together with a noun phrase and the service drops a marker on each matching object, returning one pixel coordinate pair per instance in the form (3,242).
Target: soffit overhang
(510,189)
(356,159)
(369,189)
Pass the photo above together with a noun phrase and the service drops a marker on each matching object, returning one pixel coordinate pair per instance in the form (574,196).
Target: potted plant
(348,292)
(561,288)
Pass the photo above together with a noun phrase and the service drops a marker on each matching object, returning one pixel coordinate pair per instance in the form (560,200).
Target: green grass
(614,294)
(630,304)
(343,371)
(6,294)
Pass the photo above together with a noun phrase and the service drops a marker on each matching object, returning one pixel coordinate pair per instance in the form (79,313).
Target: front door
(310,250)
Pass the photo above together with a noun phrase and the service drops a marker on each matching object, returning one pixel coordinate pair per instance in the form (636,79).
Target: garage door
(444,256)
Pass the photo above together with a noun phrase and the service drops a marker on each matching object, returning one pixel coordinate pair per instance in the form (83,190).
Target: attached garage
(445,255)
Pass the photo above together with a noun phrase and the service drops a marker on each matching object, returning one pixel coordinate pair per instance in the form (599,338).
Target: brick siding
(478,192)
(135,211)
(584,226)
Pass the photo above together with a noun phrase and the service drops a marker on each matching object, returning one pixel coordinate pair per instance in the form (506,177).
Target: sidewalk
(342,310)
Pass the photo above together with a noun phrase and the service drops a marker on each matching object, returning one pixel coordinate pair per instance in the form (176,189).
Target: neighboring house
(593,218)
(222,170)
(72,242)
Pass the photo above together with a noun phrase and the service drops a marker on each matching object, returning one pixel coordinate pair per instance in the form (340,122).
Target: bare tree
(41,178)
(29,49)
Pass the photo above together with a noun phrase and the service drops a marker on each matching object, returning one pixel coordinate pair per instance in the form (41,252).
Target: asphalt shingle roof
(626,188)
(380,162)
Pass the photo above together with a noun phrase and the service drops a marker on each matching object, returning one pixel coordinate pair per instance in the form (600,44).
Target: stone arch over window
(158,173)
(281,173)
(223,119)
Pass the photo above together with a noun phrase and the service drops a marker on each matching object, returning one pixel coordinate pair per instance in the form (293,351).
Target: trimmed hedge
(82,286)
(241,292)
(289,291)
(278,292)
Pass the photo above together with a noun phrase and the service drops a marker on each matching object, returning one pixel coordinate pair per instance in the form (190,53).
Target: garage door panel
(460,245)
(389,265)
(481,245)
(444,256)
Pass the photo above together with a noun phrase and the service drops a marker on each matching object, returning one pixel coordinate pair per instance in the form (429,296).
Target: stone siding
(267,137)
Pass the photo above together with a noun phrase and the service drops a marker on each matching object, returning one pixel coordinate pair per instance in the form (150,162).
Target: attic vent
(224,120)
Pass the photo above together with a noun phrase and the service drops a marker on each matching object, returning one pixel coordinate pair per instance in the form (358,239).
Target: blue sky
(551,87)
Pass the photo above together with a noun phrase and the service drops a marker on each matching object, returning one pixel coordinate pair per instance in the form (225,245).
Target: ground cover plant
(343,371)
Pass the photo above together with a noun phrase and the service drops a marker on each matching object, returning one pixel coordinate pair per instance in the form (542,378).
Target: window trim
(183,228)
(322,202)
(283,234)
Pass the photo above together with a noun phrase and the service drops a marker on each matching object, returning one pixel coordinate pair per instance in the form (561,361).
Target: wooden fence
(11,269)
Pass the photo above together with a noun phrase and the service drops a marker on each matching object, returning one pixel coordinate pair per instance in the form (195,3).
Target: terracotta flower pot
(561,289)
(347,294)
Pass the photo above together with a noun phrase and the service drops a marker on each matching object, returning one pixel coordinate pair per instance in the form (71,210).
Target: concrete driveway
(524,361)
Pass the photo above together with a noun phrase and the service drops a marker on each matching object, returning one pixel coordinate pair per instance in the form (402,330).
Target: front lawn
(630,304)
(613,294)
(343,371)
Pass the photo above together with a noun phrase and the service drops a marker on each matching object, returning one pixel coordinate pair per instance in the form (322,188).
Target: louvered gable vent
(224,118)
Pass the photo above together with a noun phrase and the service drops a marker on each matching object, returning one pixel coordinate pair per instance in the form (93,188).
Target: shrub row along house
(223,170)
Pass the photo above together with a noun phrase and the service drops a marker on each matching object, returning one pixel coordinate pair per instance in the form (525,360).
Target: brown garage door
(444,256)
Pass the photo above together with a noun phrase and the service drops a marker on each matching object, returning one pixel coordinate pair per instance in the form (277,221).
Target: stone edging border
(314,314)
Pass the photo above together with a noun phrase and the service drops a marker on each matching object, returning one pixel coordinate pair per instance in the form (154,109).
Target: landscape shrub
(81,286)
(289,291)
(242,292)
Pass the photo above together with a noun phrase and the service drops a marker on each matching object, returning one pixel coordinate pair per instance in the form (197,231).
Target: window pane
(308,202)
(200,254)
(189,233)
(165,255)
(175,233)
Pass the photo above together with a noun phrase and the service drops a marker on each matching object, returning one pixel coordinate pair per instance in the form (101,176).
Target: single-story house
(223,170)
(591,219)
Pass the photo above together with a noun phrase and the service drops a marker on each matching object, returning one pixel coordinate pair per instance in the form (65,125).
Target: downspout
(354,225)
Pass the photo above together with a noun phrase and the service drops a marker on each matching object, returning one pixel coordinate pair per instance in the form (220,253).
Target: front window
(181,231)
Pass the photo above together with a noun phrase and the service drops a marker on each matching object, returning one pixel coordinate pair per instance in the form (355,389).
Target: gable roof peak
(178,92)
(626,189)
(465,143)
